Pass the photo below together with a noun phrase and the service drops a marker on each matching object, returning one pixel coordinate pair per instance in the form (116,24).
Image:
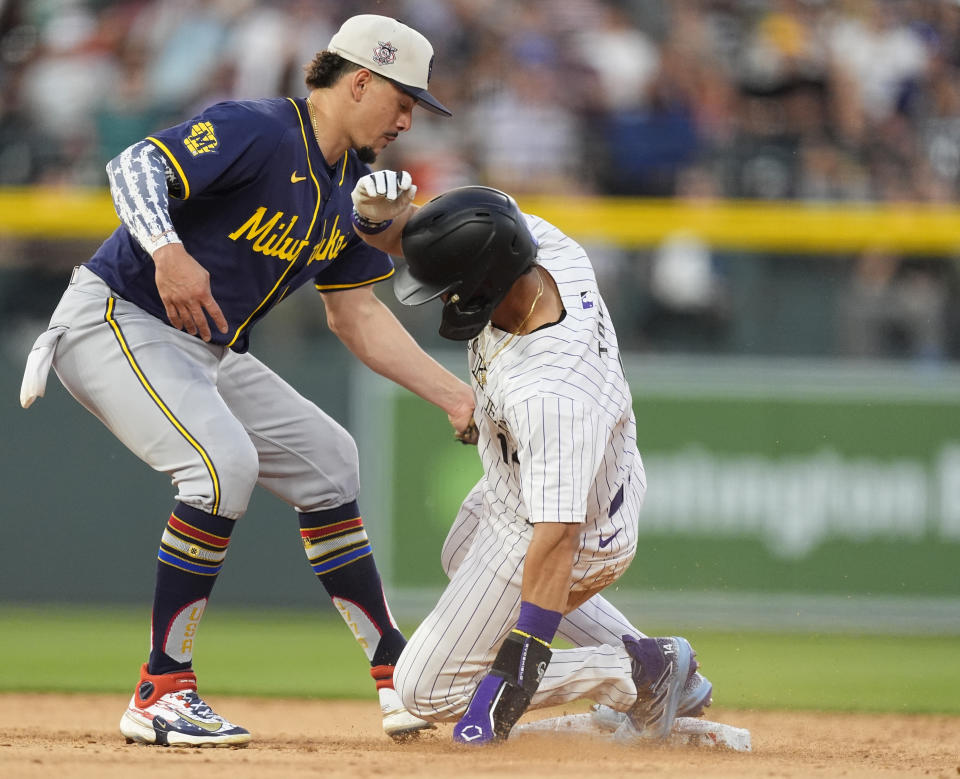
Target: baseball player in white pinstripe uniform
(553,520)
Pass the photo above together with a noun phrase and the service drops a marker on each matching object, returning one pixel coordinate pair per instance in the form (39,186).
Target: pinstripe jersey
(558,444)
(554,411)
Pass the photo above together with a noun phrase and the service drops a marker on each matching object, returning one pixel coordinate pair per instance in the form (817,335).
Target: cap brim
(425,99)
(411,292)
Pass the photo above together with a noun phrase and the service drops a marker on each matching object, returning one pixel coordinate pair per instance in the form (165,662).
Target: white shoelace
(197,705)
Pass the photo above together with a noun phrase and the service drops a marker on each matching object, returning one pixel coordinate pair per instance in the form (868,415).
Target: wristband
(368,226)
(538,622)
(153,242)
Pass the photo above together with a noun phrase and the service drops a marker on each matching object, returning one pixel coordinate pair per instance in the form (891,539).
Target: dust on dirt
(76,736)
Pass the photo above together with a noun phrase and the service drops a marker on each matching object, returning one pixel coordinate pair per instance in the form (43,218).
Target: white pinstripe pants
(454,646)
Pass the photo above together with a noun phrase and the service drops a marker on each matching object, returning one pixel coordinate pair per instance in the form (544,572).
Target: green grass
(238,652)
(292,654)
(832,672)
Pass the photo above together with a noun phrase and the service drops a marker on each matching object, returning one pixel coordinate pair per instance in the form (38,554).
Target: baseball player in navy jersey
(553,520)
(222,217)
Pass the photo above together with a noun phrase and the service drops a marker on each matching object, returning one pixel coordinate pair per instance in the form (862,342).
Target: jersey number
(504,450)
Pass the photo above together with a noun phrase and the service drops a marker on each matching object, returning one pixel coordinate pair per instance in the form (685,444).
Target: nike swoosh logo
(210,727)
(608,539)
(294,178)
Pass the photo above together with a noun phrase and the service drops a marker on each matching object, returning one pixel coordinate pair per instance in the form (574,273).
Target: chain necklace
(313,120)
(514,334)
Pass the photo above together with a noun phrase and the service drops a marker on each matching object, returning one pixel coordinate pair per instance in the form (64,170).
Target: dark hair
(326,69)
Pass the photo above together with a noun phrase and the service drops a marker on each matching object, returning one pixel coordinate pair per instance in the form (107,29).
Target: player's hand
(464,428)
(468,435)
(184,287)
(383,195)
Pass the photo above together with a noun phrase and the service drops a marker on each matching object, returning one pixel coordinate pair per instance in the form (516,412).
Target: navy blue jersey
(256,204)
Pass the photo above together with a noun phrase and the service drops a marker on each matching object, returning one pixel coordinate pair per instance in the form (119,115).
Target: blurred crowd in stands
(775,99)
(768,99)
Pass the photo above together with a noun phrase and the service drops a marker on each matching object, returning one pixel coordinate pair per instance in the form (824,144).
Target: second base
(686,731)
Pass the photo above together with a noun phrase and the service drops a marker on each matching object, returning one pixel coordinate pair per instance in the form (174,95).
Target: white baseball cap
(392,50)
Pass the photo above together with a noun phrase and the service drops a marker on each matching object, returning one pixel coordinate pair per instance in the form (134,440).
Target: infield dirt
(76,736)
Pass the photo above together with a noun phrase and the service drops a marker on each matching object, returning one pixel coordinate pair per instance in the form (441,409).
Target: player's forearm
(522,659)
(400,359)
(549,564)
(389,240)
(375,336)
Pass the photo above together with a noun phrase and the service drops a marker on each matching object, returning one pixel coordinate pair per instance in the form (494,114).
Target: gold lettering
(191,629)
(284,252)
(276,241)
(271,238)
(329,248)
(264,246)
(252,225)
(187,648)
(293,257)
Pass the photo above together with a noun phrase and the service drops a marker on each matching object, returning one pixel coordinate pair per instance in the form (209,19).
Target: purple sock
(537,622)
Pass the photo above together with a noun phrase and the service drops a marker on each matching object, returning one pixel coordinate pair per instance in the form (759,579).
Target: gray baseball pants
(216,421)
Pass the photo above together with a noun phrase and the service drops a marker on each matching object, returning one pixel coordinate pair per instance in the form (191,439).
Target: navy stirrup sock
(339,552)
(192,552)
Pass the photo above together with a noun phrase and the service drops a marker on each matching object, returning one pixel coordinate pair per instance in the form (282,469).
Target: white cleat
(398,723)
(166,710)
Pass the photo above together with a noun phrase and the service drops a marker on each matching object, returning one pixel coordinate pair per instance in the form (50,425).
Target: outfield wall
(786,495)
(781,494)
(777,226)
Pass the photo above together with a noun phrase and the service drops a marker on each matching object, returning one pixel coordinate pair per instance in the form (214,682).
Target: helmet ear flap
(458,324)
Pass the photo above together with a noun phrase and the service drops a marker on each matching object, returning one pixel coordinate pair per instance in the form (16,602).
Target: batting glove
(383,195)
(38,365)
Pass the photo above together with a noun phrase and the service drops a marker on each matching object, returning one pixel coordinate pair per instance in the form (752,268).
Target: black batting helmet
(471,242)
